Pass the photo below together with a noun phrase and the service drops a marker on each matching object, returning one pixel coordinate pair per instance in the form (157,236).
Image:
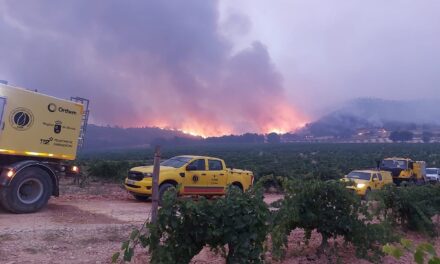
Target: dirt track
(75,228)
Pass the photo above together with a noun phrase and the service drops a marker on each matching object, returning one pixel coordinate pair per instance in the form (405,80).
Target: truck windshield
(431,171)
(395,164)
(359,175)
(176,162)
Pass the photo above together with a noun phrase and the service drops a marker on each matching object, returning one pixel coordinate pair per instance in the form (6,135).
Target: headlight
(360,185)
(75,169)
(10,173)
(148,174)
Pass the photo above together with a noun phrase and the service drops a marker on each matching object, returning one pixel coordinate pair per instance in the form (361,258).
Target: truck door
(195,177)
(375,181)
(217,175)
(380,183)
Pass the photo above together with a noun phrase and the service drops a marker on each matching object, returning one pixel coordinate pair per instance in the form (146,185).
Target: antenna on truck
(84,120)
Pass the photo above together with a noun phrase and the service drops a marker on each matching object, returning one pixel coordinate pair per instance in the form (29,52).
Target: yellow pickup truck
(191,175)
(366,181)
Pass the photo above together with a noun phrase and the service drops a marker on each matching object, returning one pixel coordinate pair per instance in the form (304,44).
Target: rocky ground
(87,225)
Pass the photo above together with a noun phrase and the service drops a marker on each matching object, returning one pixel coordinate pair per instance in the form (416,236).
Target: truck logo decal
(21,119)
(57,127)
(45,141)
(195,178)
(52,107)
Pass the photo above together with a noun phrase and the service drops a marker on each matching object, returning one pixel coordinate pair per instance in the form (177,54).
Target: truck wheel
(141,198)
(237,186)
(162,189)
(28,192)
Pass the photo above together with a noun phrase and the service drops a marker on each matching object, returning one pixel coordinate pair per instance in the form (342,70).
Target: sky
(220,67)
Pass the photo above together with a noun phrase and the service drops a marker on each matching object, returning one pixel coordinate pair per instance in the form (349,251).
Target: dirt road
(82,226)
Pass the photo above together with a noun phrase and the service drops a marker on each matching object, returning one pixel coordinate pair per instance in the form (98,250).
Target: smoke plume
(144,63)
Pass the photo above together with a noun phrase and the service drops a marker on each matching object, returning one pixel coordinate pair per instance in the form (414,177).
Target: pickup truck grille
(136,176)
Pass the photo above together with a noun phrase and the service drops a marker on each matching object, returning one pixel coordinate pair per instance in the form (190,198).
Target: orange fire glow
(282,119)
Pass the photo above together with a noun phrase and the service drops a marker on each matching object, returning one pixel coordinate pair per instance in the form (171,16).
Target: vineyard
(244,229)
(320,161)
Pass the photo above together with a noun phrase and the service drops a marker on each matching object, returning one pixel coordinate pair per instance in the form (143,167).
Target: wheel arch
(238,184)
(21,165)
(173,182)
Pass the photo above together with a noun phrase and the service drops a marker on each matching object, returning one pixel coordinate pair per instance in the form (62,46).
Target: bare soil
(87,225)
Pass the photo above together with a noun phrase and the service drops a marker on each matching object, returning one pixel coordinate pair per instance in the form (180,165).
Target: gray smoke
(161,63)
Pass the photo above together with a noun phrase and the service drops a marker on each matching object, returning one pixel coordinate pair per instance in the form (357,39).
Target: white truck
(433,175)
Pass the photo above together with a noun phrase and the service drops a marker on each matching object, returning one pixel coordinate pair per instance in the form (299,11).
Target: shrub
(420,252)
(109,170)
(411,207)
(330,209)
(236,225)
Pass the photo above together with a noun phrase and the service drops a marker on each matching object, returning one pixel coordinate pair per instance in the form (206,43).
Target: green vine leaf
(115,257)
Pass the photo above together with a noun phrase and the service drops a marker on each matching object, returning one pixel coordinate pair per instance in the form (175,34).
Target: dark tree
(273,138)
(427,136)
(402,136)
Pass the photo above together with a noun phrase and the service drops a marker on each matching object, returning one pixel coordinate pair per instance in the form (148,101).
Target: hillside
(376,113)
(106,137)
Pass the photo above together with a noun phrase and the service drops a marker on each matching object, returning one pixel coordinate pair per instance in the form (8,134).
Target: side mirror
(191,168)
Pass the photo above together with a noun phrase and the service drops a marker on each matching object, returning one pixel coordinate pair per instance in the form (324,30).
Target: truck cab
(190,175)
(366,181)
(405,170)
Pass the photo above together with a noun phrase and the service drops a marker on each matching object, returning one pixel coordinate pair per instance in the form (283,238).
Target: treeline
(108,137)
(339,127)
(247,138)
(405,136)
(114,137)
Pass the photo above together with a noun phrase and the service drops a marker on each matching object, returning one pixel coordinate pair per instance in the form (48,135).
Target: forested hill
(106,137)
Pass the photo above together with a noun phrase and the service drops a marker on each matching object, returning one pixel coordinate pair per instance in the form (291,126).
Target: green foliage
(239,223)
(330,209)
(411,207)
(421,252)
(236,225)
(110,170)
(295,160)
(271,181)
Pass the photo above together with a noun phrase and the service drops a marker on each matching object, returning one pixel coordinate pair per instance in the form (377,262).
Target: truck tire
(162,189)
(141,198)
(237,186)
(28,192)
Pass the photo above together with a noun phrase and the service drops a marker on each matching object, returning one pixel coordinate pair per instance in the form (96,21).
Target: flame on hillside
(282,119)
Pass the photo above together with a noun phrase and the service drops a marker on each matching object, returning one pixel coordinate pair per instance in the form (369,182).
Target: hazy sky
(332,51)
(211,67)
